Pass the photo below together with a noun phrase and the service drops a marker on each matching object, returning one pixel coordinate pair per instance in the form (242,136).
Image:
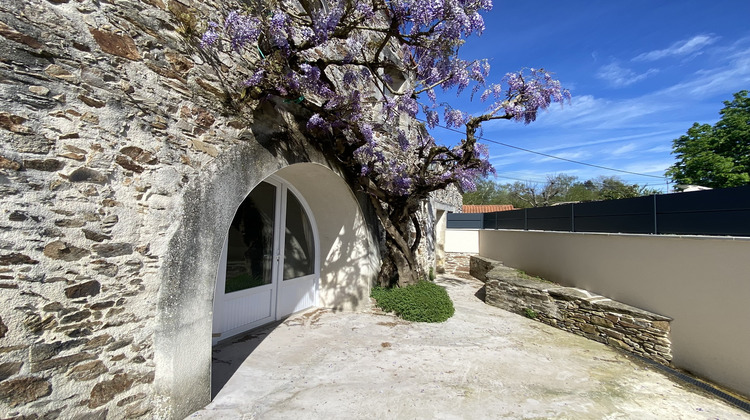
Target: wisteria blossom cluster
(363,70)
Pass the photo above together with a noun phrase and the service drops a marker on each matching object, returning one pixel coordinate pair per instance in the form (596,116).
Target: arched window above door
(299,244)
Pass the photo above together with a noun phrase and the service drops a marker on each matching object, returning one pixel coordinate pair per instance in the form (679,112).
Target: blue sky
(640,72)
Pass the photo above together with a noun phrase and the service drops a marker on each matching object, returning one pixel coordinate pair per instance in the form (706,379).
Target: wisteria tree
(361,71)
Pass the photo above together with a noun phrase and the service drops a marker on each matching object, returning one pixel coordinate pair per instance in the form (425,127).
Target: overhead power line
(518,179)
(551,156)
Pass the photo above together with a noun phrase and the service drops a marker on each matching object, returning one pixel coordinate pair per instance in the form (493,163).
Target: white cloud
(624,149)
(594,113)
(730,77)
(619,76)
(504,177)
(728,74)
(579,155)
(655,167)
(679,48)
(666,147)
(607,139)
(632,133)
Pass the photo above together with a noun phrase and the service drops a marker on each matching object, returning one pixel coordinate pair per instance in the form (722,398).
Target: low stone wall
(479,266)
(581,312)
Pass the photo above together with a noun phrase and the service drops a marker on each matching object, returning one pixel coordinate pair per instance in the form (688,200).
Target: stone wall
(122,161)
(479,266)
(449,199)
(440,203)
(102,128)
(580,312)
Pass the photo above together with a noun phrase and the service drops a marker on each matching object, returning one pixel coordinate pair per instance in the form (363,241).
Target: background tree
(488,192)
(560,188)
(717,156)
(584,191)
(613,188)
(353,72)
(535,195)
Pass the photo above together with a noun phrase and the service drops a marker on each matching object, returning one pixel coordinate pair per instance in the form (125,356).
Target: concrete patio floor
(482,363)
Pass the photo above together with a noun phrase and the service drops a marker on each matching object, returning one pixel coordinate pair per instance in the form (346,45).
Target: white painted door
(269,265)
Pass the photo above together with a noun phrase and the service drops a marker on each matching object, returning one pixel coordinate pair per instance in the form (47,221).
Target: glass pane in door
(250,244)
(299,246)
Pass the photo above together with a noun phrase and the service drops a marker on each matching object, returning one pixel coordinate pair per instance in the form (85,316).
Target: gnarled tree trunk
(403,235)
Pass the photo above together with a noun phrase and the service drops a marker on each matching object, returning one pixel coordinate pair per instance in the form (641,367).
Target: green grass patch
(420,302)
(522,274)
(530,313)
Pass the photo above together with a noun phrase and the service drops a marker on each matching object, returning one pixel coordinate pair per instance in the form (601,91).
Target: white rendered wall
(462,240)
(349,256)
(703,283)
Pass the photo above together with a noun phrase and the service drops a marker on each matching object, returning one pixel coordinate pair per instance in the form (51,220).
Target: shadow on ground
(481,294)
(228,355)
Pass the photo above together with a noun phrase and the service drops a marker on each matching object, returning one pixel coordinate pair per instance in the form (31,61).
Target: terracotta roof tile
(486,208)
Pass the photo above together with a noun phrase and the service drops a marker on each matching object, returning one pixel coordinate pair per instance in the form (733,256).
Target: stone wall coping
(517,280)
(479,266)
(619,307)
(569,293)
(502,271)
(489,260)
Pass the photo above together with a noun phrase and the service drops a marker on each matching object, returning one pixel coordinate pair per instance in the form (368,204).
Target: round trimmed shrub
(420,302)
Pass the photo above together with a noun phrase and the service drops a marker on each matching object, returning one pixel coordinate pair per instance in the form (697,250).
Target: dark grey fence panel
(630,215)
(713,212)
(558,218)
(465,221)
(710,200)
(489,220)
(514,219)
(730,223)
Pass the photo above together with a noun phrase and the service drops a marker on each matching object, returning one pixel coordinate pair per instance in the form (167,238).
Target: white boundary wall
(703,283)
(462,240)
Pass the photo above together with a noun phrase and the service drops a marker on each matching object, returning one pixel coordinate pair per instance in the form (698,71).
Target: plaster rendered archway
(348,260)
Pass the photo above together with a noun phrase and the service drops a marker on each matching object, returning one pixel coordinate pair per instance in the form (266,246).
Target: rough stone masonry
(575,310)
(110,125)
(100,131)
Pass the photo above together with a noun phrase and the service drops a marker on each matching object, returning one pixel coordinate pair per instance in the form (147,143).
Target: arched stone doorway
(348,259)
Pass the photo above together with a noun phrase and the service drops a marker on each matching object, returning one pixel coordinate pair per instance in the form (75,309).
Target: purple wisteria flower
(241,29)
(277,29)
(397,179)
(432,117)
(403,141)
(455,117)
(255,79)
(402,184)
(316,122)
(349,77)
(526,95)
(408,104)
(211,35)
(366,130)
(325,22)
(389,107)
(365,9)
